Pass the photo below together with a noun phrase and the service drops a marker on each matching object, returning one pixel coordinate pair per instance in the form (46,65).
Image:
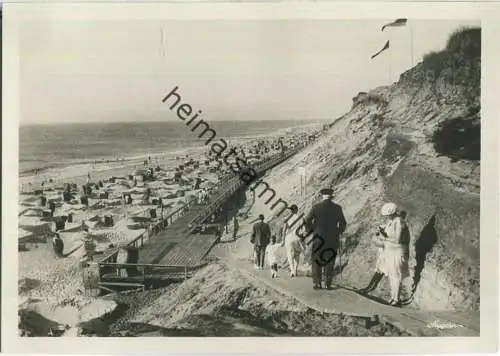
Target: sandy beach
(178,178)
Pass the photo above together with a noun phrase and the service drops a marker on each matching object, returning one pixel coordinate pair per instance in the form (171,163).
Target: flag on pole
(397,23)
(386,46)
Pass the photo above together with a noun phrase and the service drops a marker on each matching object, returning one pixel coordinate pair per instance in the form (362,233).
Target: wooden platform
(178,245)
(191,251)
(160,245)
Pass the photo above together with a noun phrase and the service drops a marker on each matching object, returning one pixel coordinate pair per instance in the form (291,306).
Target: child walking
(272,256)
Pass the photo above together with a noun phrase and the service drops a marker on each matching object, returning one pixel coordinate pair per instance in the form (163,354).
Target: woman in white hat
(391,257)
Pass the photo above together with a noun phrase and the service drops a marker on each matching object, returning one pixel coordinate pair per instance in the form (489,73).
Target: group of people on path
(322,229)
(325,222)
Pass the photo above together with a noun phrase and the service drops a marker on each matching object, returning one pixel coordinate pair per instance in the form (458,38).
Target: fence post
(144,276)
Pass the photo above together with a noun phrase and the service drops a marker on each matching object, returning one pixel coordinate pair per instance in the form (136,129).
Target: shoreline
(119,166)
(99,159)
(98,167)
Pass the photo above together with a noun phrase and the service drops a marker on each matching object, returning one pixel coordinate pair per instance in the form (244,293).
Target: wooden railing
(143,269)
(234,183)
(141,273)
(139,241)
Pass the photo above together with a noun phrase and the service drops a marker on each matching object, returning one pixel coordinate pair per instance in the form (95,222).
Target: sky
(107,71)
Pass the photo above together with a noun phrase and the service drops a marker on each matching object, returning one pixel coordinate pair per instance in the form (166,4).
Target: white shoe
(256,267)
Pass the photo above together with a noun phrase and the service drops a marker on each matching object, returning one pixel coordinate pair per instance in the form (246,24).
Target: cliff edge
(416,143)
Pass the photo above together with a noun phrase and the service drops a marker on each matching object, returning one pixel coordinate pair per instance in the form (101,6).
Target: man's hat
(326,191)
(261,217)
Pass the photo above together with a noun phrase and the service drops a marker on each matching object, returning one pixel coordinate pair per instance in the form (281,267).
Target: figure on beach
(52,207)
(292,242)
(58,245)
(60,222)
(261,235)
(393,256)
(327,222)
(88,243)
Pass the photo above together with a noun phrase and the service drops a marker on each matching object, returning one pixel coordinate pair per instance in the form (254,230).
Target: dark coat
(326,220)
(261,234)
(58,246)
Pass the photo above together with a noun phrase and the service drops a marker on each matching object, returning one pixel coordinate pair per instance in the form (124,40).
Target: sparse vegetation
(369,98)
(459,138)
(459,63)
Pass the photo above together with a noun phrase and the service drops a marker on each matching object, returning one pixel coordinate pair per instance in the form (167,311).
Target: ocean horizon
(48,145)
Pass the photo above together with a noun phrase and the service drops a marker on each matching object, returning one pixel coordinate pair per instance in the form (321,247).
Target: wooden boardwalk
(159,246)
(178,245)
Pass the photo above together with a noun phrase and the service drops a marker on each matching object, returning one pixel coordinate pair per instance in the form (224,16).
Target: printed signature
(437,324)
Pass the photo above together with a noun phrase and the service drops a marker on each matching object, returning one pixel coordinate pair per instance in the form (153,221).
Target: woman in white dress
(292,242)
(392,258)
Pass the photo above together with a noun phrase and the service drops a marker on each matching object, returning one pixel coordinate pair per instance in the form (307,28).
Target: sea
(47,146)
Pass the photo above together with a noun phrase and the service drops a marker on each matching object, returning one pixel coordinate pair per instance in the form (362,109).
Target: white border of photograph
(488,13)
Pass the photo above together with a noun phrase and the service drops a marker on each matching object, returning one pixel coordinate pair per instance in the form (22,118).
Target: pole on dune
(162,43)
(302,173)
(390,65)
(340,256)
(411,43)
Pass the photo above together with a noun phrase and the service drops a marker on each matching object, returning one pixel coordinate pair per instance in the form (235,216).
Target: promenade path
(344,299)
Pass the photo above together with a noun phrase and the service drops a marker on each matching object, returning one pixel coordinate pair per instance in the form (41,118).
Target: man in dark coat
(326,222)
(261,235)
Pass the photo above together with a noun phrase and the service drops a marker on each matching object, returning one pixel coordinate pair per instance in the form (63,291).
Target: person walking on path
(236,227)
(261,235)
(272,256)
(392,259)
(327,222)
(292,242)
